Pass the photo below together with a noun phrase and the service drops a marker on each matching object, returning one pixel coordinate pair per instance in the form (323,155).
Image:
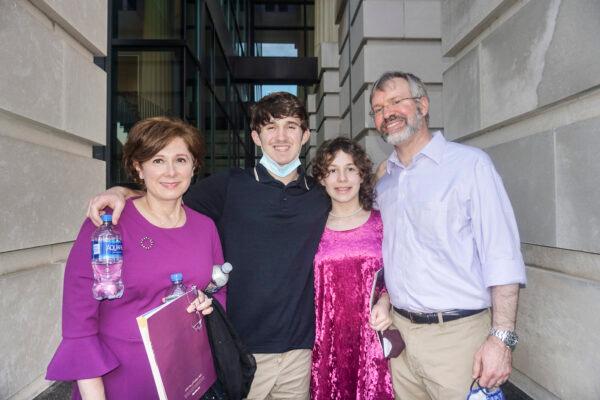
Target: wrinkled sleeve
(495,229)
(207,196)
(81,353)
(217,256)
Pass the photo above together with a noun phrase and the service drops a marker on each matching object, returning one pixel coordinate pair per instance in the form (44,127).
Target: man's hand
(381,318)
(113,198)
(492,363)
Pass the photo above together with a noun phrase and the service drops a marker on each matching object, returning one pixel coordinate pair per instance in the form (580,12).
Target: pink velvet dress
(347,358)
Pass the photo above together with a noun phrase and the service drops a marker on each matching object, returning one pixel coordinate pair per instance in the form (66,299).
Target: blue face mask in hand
(477,392)
(279,170)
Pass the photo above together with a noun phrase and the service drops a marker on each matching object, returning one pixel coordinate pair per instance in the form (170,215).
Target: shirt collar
(433,150)
(263,176)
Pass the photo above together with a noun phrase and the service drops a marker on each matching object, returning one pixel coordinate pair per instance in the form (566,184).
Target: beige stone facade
(52,111)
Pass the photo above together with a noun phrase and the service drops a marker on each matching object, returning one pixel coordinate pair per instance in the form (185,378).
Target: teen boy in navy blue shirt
(270,219)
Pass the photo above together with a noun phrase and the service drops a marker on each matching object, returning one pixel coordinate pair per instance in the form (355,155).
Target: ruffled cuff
(81,358)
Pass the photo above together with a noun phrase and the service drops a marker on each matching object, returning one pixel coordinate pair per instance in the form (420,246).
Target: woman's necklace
(346,216)
(161,222)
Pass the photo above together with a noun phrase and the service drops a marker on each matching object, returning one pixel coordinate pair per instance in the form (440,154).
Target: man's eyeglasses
(393,103)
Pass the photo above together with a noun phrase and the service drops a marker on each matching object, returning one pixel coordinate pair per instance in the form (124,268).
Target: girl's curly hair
(325,155)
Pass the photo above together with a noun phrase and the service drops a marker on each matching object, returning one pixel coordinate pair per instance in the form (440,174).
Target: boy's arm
(208,195)
(114,198)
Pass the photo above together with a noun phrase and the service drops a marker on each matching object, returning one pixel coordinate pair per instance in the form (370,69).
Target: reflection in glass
(279,43)
(222,141)
(148,83)
(192,33)
(221,75)
(207,129)
(279,15)
(165,65)
(148,19)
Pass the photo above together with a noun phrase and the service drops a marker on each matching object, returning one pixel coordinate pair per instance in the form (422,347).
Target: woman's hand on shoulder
(202,303)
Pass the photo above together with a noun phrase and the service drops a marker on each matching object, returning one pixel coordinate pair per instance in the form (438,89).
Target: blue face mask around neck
(279,170)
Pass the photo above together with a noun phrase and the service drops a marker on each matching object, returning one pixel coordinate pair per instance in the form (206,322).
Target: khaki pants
(438,360)
(282,376)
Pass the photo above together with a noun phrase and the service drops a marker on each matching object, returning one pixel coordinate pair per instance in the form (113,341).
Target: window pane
(207,128)
(262,90)
(310,43)
(148,83)
(222,142)
(279,43)
(279,15)
(221,75)
(148,19)
(192,33)
(192,92)
(209,48)
(310,15)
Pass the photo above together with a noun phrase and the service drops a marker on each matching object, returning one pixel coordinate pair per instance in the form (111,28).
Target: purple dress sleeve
(81,353)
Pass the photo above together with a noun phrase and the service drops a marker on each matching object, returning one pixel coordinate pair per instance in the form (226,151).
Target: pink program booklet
(178,349)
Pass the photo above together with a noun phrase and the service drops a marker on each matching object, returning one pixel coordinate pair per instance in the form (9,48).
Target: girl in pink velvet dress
(347,358)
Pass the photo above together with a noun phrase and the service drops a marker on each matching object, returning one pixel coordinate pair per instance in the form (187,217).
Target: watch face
(512,339)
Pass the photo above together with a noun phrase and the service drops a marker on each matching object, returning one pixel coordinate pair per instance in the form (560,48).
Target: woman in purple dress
(102,349)
(348,361)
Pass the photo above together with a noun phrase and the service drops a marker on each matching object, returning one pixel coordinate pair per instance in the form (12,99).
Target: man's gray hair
(417,87)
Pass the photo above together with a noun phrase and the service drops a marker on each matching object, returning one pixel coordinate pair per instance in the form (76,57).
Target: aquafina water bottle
(107,261)
(219,277)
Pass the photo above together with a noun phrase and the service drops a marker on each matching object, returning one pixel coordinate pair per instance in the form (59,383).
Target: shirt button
(285,199)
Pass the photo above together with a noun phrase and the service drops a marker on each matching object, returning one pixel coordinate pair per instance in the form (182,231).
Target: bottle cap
(106,218)
(176,277)
(226,267)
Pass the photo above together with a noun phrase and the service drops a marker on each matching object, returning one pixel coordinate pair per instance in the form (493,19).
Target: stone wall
(52,111)
(382,35)
(522,82)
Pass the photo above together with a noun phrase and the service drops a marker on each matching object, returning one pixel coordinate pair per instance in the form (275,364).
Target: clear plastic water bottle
(220,276)
(107,261)
(477,392)
(177,288)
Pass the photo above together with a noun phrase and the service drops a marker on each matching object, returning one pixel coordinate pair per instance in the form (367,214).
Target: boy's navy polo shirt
(270,233)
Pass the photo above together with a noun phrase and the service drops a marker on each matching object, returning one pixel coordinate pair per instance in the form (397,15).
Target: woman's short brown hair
(327,152)
(151,135)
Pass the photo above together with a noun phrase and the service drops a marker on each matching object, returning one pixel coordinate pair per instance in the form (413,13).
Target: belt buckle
(411,315)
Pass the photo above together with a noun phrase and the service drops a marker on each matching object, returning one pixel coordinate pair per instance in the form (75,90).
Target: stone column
(52,111)
(382,35)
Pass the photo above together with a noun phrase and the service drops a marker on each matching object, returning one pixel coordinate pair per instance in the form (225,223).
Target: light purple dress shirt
(449,229)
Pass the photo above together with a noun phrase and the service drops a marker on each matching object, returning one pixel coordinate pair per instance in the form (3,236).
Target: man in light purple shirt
(451,251)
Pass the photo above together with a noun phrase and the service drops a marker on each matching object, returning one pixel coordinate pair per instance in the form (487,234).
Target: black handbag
(215,392)
(234,364)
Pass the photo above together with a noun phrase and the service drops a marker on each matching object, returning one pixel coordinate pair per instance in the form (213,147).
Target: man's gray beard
(409,131)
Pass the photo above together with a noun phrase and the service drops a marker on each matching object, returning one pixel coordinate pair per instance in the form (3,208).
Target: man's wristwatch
(509,338)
